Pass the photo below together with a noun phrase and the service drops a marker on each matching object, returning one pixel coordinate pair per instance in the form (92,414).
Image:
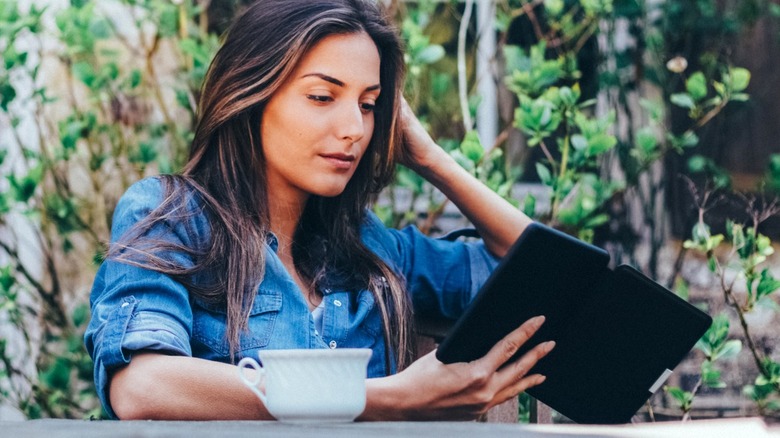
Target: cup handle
(252,384)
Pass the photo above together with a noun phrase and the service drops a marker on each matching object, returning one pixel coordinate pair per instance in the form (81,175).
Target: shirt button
(332,345)
(125,304)
(337,303)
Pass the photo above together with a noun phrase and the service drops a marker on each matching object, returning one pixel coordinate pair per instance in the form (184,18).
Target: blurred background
(648,127)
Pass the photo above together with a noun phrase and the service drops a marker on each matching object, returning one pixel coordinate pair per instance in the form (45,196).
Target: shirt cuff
(125,333)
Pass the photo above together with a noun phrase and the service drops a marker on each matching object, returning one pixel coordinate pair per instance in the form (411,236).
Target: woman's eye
(319,98)
(367,107)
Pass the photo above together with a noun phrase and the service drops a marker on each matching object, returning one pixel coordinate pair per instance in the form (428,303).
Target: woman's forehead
(351,59)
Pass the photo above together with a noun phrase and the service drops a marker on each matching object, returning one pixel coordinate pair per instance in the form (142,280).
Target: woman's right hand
(431,390)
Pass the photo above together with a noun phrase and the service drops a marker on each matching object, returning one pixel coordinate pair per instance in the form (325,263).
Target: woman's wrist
(434,165)
(385,400)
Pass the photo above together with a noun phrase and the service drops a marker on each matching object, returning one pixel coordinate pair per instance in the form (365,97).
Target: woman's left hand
(417,150)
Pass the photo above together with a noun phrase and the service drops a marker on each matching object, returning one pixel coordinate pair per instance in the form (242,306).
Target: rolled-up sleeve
(442,276)
(136,309)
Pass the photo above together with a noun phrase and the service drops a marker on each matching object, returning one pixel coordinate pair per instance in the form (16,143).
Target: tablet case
(618,334)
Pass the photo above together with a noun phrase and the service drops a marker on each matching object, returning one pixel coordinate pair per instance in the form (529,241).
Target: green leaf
(554,7)
(683,100)
(719,88)
(579,142)
(25,187)
(740,79)
(58,375)
(729,350)
(646,140)
(471,147)
(529,205)
(714,338)
(183,98)
(710,376)
(697,163)
(84,72)
(544,174)
(683,398)
(7,279)
(596,221)
(431,54)
(598,144)
(568,96)
(80,314)
(696,86)
(99,28)
(135,78)
(681,288)
(7,94)
(168,20)
(766,284)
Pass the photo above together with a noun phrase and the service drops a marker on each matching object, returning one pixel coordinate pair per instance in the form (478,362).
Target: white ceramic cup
(310,386)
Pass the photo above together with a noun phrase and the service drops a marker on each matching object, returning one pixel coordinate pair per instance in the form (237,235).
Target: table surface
(50,428)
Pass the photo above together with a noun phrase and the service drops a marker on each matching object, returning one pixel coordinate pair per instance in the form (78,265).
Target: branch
(468,124)
(14,254)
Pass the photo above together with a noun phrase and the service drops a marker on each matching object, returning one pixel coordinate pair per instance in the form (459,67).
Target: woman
(265,241)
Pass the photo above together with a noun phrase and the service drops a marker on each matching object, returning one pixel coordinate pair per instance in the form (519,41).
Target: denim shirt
(137,309)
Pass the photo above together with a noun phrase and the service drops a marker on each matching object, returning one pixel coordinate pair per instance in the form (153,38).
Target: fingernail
(537,320)
(541,379)
(548,346)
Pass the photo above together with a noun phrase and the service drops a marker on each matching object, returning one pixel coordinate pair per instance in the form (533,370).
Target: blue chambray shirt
(137,309)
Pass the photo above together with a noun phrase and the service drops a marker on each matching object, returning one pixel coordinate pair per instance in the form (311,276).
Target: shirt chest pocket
(209,324)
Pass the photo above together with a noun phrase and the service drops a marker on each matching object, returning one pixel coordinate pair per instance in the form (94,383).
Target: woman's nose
(350,123)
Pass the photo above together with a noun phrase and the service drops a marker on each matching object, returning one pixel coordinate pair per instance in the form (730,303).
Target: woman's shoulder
(387,242)
(152,192)
(168,196)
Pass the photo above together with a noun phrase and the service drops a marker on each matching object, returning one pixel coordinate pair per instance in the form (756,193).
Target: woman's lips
(339,161)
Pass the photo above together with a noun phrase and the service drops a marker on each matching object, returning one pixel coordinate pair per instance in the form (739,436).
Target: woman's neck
(285,215)
(284,222)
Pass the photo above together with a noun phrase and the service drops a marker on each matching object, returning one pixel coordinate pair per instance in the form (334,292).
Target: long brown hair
(226,171)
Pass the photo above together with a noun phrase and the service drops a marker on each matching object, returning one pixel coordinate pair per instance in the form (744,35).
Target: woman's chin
(329,191)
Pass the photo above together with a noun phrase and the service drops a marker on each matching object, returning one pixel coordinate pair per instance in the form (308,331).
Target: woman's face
(317,126)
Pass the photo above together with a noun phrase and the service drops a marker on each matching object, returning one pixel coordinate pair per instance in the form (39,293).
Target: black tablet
(618,334)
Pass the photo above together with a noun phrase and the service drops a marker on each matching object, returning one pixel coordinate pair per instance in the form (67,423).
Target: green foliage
(578,193)
(109,121)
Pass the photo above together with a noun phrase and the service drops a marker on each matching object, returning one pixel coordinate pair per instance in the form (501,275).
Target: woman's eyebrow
(337,82)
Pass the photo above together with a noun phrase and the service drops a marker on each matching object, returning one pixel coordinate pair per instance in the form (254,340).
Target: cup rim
(319,353)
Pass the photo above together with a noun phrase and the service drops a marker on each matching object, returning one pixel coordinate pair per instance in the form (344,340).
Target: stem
(547,154)
(433,215)
(468,124)
(22,270)
(757,358)
(528,9)
(731,300)
(591,29)
(203,20)
(678,263)
(687,412)
(650,411)
(562,171)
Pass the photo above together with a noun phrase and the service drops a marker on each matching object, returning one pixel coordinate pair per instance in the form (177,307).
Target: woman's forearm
(155,386)
(498,222)
(159,387)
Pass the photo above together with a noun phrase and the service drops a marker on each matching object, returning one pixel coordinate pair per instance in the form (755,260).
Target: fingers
(508,346)
(513,378)
(518,387)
